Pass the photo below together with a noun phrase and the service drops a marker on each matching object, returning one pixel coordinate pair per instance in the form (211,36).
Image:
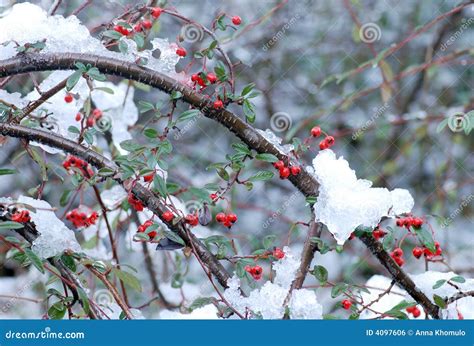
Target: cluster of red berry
(200,78)
(226,220)
(135,202)
(278,253)
(286,171)
(80,219)
(397,255)
(414,311)
(142,228)
(81,165)
(140,26)
(122,30)
(21,216)
(346,304)
(327,142)
(419,251)
(410,221)
(143,25)
(96,115)
(256,271)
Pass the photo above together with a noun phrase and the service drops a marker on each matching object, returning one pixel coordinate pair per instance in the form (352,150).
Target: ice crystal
(276,141)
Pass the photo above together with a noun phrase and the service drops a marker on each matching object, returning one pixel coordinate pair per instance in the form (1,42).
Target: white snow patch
(54,236)
(345,202)
(276,141)
(208,312)
(268,301)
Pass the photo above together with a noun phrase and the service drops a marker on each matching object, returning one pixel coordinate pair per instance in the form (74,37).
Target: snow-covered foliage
(269,300)
(55,237)
(345,202)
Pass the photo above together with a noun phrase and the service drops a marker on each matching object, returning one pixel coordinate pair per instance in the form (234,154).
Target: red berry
(137,27)
(21,216)
(278,253)
(400,222)
(397,252)
(68,98)
(191,220)
(417,252)
(156,12)
(218,104)
(221,217)
(346,304)
(400,261)
(227,223)
(231,217)
(181,52)
(295,170)
(316,131)
(236,20)
(167,216)
(417,222)
(195,77)
(256,272)
(211,77)
(378,233)
(284,172)
(279,164)
(330,141)
(147,24)
(118,28)
(460,316)
(323,144)
(213,196)
(416,312)
(90,122)
(148,177)
(78,117)
(97,113)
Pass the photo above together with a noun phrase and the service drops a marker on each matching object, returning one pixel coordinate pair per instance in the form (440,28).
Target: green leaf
(74,130)
(72,80)
(11,225)
(320,273)
(159,184)
(112,34)
(261,176)
(268,241)
(174,237)
(338,289)
(106,172)
(249,111)
(439,301)
(241,148)
(248,88)
(35,260)
(84,299)
(311,199)
(5,171)
(267,157)
(145,106)
(388,241)
(439,283)
(200,302)
(442,125)
(57,311)
(189,114)
(458,278)
(128,279)
(106,90)
(150,133)
(426,238)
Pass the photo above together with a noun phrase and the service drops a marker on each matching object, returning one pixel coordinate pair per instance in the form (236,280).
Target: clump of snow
(268,301)
(276,141)
(114,196)
(72,37)
(345,202)
(54,236)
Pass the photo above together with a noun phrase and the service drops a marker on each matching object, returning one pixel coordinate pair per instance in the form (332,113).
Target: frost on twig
(55,237)
(268,301)
(345,202)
